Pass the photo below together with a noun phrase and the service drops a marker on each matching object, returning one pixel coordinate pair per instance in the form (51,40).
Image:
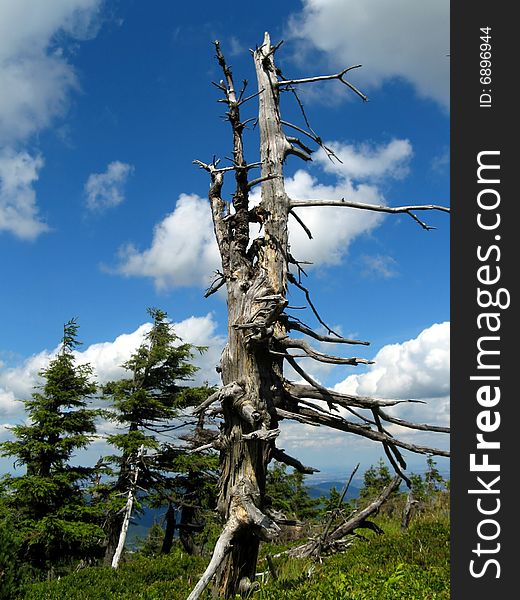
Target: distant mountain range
(323,488)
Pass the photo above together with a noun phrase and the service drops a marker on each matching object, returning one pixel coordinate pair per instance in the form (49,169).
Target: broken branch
(374,207)
(339,76)
(319,356)
(293,325)
(231,390)
(343,425)
(280,455)
(298,391)
(293,280)
(302,224)
(420,426)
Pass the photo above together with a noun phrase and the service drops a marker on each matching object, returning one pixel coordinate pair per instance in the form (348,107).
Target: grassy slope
(413,565)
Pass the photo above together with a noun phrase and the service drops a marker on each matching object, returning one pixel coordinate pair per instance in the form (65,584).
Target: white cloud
(379,266)
(400,39)
(106,358)
(35,77)
(105,190)
(417,369)
(334,228)
(183,251)
(18,210)
(367,162)
(236,48)
(36,80)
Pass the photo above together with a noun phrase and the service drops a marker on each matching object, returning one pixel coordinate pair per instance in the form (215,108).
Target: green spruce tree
(375,478)
(144,405)
(288,493)
(50,512)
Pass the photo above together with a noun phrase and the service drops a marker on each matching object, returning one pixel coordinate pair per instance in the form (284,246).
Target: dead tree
(255,394)
(335,541)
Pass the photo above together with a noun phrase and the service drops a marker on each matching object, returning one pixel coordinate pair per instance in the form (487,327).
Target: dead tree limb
(281,456)
(409,425)
(360,517)
(340,502)
(293,280)
(374,207)
(320,356)
(334,541)
(302,224)
(336,422)
(298,391)
(292,325)
(339,76)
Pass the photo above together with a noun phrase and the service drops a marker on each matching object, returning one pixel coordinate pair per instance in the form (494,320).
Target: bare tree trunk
(255,297)
(255,393)
(127,513)
(408,511)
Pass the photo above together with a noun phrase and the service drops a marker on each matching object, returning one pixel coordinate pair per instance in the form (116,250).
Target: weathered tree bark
(115,519)
(127,513)
(255,394)
(408,510)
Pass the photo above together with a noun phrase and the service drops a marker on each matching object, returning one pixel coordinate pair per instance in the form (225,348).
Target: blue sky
(104,106)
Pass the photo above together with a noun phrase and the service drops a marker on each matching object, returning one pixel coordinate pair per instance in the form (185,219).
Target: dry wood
(374,207)
(255,395)
(333,541)
(127,510)
(298,390)
(410,505)
(320,356)
(281,456)
(339,76)
(291,324)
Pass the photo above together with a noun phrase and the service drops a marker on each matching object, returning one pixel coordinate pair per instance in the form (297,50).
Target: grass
(409,565)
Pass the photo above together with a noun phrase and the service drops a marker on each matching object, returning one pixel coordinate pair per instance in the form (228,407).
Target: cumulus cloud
(416,369)
(35,77)
(36,81)
(400,39)
(368,161)
(332,229)
(202,331)
(183,251)
(18,210)
(105,190)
